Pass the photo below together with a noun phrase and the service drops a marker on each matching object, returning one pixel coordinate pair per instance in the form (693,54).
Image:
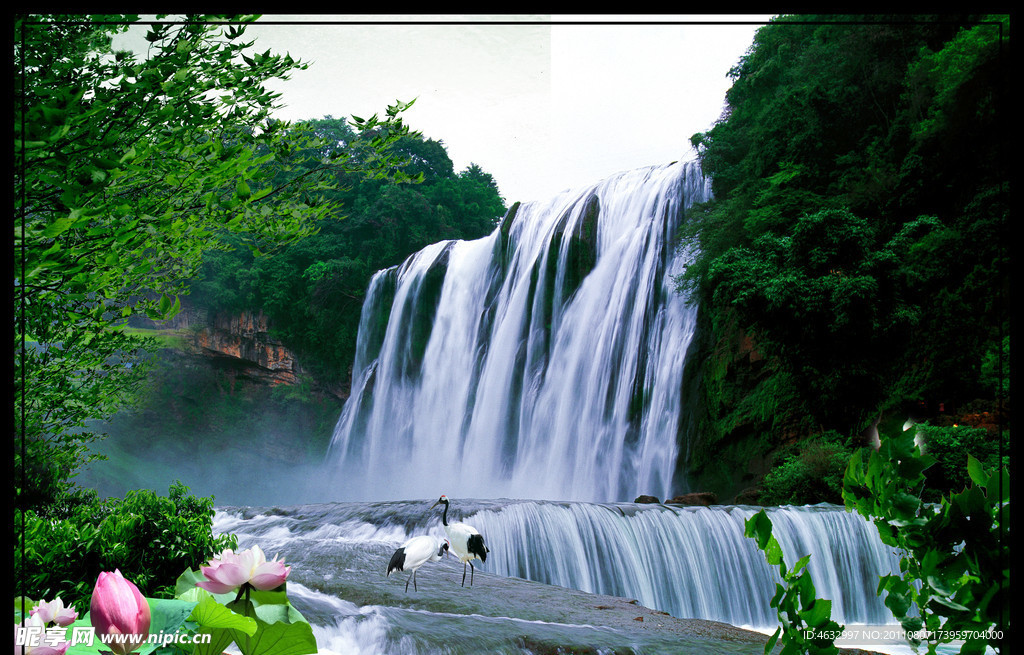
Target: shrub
(950,446)
(812,474)
(151,539)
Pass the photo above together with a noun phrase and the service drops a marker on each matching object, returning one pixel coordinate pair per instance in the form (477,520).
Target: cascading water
(543,361)
(690,562)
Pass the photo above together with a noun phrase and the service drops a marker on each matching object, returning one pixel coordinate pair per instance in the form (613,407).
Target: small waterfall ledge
(693,563)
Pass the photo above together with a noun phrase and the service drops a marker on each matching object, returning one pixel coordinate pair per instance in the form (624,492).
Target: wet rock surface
(704,498)
(535,617)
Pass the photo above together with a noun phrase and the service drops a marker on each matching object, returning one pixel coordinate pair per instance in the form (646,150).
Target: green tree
(826,302)
(811,473)
(854,240)
(312,290)
(127,169)
(151,539)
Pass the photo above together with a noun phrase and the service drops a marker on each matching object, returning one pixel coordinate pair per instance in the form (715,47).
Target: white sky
(542,107)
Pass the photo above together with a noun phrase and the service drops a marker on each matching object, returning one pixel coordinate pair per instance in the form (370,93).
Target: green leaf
(758,527)
(168,616)
(948,603)
(279,639)
(974,647)
(771,641)
(976,471)
(897,600)
(61,225)
(818,614)
(805,586)
(220,639)
(906,504)
(209,613)
(277,596)
(28,605)
(971,501)
(242,189)
(128,155)
(800,564)
(911,623)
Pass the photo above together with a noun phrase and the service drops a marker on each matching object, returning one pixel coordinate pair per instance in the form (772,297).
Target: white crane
(415,553)
(466,541)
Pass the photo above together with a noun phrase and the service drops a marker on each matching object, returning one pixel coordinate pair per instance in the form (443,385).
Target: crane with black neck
(466,541)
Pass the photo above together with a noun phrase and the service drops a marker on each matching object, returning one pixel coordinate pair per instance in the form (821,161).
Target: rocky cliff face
(240,344)
(245,338)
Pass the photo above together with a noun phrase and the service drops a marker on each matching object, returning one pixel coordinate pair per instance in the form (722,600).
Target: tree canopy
(858,235)
(313,289)
(128,169)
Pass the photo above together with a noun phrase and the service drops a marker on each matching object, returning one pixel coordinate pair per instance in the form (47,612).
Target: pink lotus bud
(55,612)
(118,608)
(231,570)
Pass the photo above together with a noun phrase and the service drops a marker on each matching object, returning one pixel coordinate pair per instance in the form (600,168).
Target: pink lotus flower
(33,640)
(55,612)
(231,570)
(118,608)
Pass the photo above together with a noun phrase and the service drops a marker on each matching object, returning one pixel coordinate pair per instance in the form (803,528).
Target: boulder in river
(696,498)
(643,498)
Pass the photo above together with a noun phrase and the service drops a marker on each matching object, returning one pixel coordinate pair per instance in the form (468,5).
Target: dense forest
(312,290)
(853,266)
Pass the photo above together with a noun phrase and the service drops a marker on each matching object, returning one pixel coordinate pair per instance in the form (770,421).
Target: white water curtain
(508,368)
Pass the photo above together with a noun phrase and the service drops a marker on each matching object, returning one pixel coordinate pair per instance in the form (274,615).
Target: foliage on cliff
(128,169)
(313,289)
(859,231)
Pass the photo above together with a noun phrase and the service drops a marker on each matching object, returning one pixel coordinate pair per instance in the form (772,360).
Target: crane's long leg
(407,581)
(464,574)
(472,570)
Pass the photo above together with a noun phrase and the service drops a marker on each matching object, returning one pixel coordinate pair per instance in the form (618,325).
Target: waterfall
(691,562)
(542,361)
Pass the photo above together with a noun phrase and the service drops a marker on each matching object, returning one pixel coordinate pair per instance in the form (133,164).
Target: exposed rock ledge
(246,338)
(704,498)
(242,342)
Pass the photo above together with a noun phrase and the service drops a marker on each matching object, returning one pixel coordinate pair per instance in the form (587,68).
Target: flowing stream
(689,562)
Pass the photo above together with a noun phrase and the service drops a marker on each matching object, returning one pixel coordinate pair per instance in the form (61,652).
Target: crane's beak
(435,504)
